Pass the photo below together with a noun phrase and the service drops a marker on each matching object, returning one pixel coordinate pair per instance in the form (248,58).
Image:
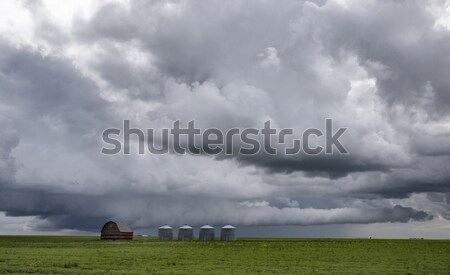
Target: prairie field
(147,255)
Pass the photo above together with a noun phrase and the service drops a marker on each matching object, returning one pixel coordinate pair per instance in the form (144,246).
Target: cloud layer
(379,68)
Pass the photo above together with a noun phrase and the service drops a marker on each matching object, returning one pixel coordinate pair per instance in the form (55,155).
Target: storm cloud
(378,68)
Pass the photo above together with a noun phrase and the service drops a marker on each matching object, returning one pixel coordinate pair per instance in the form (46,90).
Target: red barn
(114,230)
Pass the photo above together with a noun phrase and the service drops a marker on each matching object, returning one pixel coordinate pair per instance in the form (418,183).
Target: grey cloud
(112,21)
(378,68)
(84,212)
(49,98)
(43,84)
(400,36)
(142,80)
(9,139)
(315,166)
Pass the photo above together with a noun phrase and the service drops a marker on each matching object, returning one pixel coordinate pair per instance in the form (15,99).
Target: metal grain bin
(228,233)
(206,233)
(165,233)
(185,233)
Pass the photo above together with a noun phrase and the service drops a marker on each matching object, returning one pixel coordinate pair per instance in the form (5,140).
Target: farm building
(185,233)
(165,233)
(206,233)
(228,233)
(115,230)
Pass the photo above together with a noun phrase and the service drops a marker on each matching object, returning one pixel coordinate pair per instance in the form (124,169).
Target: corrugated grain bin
(185,233)
(228,233)
(206,233)
(115,230)
(165,233)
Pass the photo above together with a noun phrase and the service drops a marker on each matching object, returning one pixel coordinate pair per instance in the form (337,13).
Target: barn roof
(122,226)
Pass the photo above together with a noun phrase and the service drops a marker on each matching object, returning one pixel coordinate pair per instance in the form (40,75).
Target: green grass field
(89,255)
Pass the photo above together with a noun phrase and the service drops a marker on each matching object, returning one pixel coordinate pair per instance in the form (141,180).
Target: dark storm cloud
(189,48)
(84,212)
(400,37)
(9,139)
(318,165)
(379,68)
(35,85)
(427,177)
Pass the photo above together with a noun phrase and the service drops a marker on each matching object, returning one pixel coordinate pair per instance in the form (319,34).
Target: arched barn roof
(122,226)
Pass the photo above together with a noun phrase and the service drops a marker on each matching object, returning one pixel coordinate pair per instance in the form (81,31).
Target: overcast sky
(70,69)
